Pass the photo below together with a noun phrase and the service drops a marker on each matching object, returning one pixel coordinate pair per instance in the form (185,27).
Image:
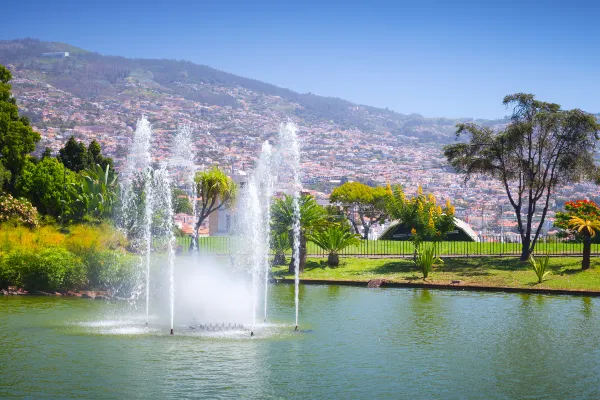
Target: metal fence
(493,246)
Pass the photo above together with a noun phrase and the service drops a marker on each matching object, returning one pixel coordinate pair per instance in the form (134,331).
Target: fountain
(146,203)
(162,184)
(147,217)
(135,179)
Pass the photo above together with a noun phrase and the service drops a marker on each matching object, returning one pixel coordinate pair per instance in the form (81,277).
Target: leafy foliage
(90,256)
(95,197)
(53,269)
(542,147)
(17,139)
(18,210)
(362,204)
(580,219)
(45,184)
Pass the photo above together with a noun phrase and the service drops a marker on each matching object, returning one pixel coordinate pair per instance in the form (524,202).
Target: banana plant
(96,195)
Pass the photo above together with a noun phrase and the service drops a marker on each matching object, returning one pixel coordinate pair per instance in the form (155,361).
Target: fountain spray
(287,134)
(138,167)
(162,182)
(264,176)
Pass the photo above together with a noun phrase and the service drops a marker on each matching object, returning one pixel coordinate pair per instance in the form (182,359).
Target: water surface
(359,343)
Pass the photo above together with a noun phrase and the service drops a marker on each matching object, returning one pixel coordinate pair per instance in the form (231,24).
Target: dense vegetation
(46,259)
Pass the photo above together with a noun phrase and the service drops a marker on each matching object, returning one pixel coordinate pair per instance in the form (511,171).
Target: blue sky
(436,58)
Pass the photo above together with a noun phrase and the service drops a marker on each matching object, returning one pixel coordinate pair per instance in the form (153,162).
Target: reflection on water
(362,343)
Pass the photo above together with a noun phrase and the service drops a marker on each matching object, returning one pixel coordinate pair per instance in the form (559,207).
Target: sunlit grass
(484,271)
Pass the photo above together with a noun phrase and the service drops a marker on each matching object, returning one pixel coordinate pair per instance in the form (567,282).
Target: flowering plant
(17,209)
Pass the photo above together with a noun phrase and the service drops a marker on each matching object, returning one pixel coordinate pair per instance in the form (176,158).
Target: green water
(363,343)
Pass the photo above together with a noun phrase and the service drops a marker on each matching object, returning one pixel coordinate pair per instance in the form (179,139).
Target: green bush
(110,270)
(51,269)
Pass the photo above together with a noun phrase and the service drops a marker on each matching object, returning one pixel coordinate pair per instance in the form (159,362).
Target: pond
(355,343)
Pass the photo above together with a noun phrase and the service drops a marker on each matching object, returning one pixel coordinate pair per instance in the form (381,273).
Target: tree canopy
(75,156)
(45,184)
(216,190)
(543,146)
(17,138)
(362,204)
(426,218)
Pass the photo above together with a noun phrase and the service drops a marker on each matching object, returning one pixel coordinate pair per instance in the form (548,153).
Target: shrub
(18,210)
(540,267)
(426,257)
(51,269)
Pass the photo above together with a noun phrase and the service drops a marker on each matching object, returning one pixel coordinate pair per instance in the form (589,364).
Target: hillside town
(231,136)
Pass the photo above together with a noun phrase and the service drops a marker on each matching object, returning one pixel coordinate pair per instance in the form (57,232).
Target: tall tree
(216,190)
(95,156)
(74,155)
(17,138)
(542,147)
(362,204)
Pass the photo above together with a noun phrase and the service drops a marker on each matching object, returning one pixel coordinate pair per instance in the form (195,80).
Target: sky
(432,57)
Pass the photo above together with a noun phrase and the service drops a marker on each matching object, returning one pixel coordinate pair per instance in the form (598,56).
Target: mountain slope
(92,76)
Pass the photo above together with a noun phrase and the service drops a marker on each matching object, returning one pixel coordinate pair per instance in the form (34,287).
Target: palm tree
(312,218)
(280,242)
(334,239)
(588,229)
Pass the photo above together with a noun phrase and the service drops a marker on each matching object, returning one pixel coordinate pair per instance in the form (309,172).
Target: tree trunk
(303,256)
(333,259)
(525,252)
(279,258)
(587,250)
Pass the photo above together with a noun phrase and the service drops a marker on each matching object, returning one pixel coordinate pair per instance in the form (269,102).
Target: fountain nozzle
(146,323)
(171,331)
(251,333)
(296,328)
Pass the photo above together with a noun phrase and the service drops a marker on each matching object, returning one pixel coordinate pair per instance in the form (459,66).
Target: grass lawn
(566,273)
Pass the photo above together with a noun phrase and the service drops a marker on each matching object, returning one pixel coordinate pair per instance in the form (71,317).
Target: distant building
(56,54)
(462,232)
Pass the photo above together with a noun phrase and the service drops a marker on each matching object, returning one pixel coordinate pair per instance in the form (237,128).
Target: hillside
(92,77)
(88,95)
